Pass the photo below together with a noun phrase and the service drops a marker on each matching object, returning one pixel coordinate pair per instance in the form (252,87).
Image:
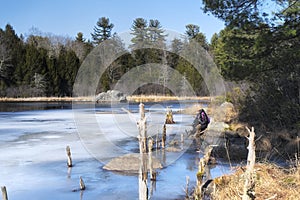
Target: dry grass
(133,98)
(218,112)
(45,99)
(155,98)
(271,182)
(192,110)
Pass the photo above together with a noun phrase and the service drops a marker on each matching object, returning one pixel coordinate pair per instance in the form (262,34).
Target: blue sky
(68,17)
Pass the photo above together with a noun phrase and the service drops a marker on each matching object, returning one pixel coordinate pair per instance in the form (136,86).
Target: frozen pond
(33,138)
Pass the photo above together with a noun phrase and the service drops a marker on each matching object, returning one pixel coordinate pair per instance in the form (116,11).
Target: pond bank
(133,98)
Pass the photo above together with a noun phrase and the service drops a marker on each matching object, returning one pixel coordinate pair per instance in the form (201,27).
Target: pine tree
(102,31)
(156,33)
(81,47)
(139,32)
(79,37)
(193,32)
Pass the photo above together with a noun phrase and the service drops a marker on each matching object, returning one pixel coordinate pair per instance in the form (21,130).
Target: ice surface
(33,157)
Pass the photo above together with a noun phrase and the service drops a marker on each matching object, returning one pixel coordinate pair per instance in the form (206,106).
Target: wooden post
(248,191)
(81,184)
(164,137)
(4,193)
(68,150)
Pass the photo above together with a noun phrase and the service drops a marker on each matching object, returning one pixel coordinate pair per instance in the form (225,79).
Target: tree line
(46,64)
(39,65)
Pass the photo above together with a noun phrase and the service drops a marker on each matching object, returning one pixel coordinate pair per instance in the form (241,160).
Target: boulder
(129,163)
(111,96)
(217,126)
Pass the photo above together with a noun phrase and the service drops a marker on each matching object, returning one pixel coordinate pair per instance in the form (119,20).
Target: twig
(272,197)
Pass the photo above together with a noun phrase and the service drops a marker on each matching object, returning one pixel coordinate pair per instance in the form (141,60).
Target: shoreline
(133,98)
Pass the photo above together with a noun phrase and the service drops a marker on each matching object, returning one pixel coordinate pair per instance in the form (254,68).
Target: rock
(111,96)
(217,126)
(129,163)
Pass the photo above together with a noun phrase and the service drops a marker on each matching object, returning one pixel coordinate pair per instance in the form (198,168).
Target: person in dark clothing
(201,120)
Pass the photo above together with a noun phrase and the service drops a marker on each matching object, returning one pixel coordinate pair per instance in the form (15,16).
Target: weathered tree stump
(142,130)
(81,184)
(248,191)
(68,150)
(169,116)
(4,193)
(143,170)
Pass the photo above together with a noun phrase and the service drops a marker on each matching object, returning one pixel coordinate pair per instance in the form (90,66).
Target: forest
(46,64)
(258,51)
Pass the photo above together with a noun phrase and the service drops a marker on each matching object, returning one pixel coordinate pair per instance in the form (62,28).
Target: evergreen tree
(79,37)
(193,32)
(72,66)
(176,47)
(262,48)
(52,77)
(139,32)
(156,33)
(81,47)
(11,55)
(5,58)
(139,40)
(102,31)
